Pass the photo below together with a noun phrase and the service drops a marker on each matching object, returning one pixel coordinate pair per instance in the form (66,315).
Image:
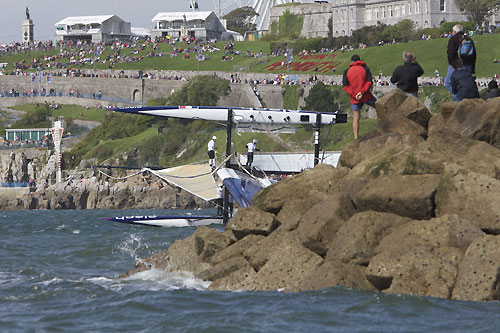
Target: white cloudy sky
(45,13)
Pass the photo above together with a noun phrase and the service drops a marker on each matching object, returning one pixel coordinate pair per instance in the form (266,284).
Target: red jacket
(358,78)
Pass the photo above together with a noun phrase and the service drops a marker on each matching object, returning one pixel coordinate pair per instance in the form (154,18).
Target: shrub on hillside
(204,90)
(321,98)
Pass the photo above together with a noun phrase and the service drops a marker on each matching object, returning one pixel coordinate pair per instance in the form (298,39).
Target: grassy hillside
(431,54)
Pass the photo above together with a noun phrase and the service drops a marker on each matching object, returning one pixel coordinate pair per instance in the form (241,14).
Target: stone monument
(28,28)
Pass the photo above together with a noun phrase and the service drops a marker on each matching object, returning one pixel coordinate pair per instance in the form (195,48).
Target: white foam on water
(131,245)
(51,281)
(158,279)
(61,227)
(76,231)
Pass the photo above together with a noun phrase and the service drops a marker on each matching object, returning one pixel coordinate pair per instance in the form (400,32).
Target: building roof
(84,19)
(140,31)
(176,16)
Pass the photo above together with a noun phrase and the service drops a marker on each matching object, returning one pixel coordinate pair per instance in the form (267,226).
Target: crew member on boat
(251,146)
(211,152)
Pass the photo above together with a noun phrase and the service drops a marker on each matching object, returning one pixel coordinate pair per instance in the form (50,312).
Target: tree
(290,25)
(477,10)
(239,19)
(202,90)
(321,98)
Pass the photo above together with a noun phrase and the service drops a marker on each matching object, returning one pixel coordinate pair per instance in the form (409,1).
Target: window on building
(391,14)
(352,15)
(368,14)
(442,5)
(403,10)
(397,10)
(383,12)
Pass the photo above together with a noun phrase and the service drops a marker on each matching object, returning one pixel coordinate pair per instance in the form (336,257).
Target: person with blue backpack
(461,47)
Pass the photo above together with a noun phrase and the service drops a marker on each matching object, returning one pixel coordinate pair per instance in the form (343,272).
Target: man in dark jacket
(469,62)
(406,76)
(357,82)
(492,91)
(463,84)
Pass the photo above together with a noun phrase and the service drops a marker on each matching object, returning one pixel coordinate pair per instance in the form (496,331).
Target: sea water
(59,272)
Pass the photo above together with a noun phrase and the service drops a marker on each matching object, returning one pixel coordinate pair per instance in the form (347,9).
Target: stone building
(95,29)
(200,25)
(315,16)
(350,15)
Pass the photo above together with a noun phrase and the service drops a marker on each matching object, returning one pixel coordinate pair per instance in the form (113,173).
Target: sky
(45,13)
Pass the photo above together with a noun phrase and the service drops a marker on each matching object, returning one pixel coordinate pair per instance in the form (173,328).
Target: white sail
(193,178)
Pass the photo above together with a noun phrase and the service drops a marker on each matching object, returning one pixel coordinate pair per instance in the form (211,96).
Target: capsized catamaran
(198,180)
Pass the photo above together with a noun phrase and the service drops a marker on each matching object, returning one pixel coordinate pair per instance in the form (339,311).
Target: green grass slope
(431,54)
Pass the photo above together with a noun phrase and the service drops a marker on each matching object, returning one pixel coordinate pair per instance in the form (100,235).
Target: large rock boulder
(471,195)
(252,221)
(421,270)
(356,239)
(333,273)
(401,113)
(477,119)
(447,230)
(287,267)
(408,195)
(191,254)
(375,148)
(322,178)
(479,271)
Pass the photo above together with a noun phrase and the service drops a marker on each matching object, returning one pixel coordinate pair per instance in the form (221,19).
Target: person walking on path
(457,46)
(406,76)
(463,84)
(211,152)
(357,82)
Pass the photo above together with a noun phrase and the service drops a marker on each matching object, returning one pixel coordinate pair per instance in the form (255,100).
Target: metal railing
(67,94)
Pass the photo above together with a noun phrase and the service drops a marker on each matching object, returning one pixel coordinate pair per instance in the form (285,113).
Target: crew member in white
(251,146)
(211,152)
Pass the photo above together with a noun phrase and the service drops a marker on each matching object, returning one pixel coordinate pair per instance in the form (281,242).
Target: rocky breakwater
(412,209)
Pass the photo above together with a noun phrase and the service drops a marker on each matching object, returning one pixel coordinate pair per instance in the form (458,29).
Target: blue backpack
(466,48)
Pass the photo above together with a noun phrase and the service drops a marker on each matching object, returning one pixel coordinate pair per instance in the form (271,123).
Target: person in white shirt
(211,152)
(251,146)
(219,200)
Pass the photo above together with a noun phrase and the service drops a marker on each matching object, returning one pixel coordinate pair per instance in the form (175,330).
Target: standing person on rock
(357,82)
(458,45)
(211,152)
(406,76)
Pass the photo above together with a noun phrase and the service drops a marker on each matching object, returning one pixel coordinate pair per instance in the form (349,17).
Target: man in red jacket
(357,83)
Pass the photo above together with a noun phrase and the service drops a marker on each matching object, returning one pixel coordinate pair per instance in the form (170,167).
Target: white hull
(167,221)
(240,115)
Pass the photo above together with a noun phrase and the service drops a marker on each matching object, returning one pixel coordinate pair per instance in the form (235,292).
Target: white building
(350,15)
(101,28)
(200,25)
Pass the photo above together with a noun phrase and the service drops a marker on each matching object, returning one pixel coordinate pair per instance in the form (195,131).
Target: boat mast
(229,128)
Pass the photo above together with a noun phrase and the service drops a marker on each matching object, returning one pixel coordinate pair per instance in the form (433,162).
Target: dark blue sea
(59,269)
